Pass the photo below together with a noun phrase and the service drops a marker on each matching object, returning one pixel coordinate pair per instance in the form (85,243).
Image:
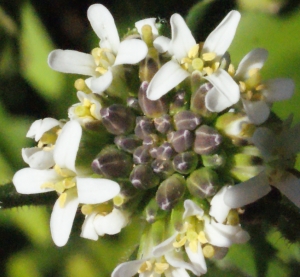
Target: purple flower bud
(186,120)
(185,162)
(143,177)
(163,124)
(141,155)
(181,140)
(165,151)
(127,143)
(144,127)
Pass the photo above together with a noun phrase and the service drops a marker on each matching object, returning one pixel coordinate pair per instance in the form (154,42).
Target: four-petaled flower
(103,61)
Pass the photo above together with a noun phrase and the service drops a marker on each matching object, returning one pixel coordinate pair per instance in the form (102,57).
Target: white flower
(278,150)
(186,60)
(64,179)
(97,224)
(44,131)
(87,110)
(257,96)
(101,63)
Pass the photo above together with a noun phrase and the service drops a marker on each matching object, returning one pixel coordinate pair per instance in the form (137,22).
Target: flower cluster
(186,149)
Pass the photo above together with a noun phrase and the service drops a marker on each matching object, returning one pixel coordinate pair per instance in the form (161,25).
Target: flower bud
(141,155)
(165,151)
(162,167)
(133,103)
(170,192)
(203,182)
(214,160)
(153,212)
(185,162)
(207,140)
(181,140)
(163,124)
(127,143)
(117,119)
(186,120)
(144,127)
(198,101)
(151,108)
(143,177)
(112,163)
(179,103)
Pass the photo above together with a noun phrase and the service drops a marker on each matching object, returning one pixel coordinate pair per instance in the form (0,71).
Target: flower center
(104,58)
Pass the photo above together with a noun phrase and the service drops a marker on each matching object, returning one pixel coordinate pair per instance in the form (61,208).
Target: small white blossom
(64,178)
(103,61)
(187,59)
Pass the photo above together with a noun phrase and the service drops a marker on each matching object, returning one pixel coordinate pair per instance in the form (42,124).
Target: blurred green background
(29,90)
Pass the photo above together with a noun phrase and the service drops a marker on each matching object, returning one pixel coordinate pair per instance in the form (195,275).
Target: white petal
(254,59)
(69,61)
(176,272)
(247,192)
(148,21)
(168,77)
(62,218)
(278,89)
(225,235)
(88,230)
(67,145)
(290,187)
(96,190)
(257,111)
(182,38)
(100,84)
(176,260)
(131,51)
(39,127)
(197,259)
(127,269)
(290,141)
(112,223)
(265,140)
(218,209)
(190,209)
(165,246)
(220,38)
(38,158)
(29,180)
(225,92)
(104,26)
(162,44)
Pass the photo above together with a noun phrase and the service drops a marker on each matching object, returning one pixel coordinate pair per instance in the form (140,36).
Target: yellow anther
(197,64)
(208,70)
(69,183)
(86,102)
(249,94)
(93,110)
(193,53)
(64,172)
(82,111)
(160,268)
(260,87)
(209,56)
(180,242)
(101,70)
(104,208)
(118,200)
(87,209)
(231,70)
(253,71)
(215,66)
(191,235)
(208,251)
(242,86)
(194,246)
(48,148)
(59,187)
(96,52)
(62,199)
(201,237)
(186,60)
(146,266)
(81,86)
(48,138)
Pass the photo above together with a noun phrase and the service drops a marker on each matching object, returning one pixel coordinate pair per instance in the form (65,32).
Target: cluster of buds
(185,149)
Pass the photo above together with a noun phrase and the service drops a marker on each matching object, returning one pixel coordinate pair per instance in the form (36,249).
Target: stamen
(208,70)
(160,268)
(193,53)
(208,251)
(82,111)
(209,56)
(147,35)
(180,242)
(87,209)
(47,186)
(101,70)
(146,266)
(202,238)
(81,86)
(231,70)
(62,199)
(242,86)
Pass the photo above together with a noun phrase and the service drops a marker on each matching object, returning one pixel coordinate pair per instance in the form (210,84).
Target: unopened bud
(181,140)
(141,155)
(185,162)
(180,102)
(207,140)
(170,192)
(165,151)
(203,182)
(151,108)
(153,212)
(133,103)
(112,163)
(186,120)
(162,167)
(117,119)
(127,143)
(163,124)
(143,177)
(144,127)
